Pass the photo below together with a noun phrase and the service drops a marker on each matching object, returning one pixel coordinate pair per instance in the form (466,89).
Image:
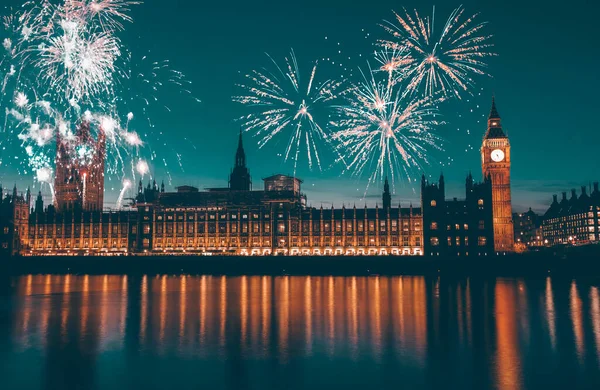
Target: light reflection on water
(298,332)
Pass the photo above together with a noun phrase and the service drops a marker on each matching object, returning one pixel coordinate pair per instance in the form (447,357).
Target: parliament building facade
(275,220)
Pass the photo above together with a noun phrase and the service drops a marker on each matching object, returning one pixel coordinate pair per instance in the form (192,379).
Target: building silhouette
(240,180)
(454,227)
(14,221)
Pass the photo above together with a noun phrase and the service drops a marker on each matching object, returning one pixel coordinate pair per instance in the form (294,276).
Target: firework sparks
(142,167)
(126,186)
(287,104)
(442,61)
(385,132)
(78,63)
(393,62)
(63,65)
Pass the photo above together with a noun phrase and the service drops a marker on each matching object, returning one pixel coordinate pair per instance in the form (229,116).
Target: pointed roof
(494,112)
(240,155)
(494,129)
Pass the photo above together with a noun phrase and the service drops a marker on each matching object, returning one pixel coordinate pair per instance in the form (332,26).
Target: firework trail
(63,64)
(383,131)
(287,103)
(439,61)
(126,186)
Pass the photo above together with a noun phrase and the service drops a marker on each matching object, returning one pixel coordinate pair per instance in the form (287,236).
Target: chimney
(573,193)
(583,190)
(564,196)
(555,198)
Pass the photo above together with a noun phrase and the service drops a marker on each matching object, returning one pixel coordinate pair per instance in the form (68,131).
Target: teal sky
(545,80)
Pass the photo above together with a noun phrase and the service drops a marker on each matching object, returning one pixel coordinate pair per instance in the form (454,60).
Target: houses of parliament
(274,220)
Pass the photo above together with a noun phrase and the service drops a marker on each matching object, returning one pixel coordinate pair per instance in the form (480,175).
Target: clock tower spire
(495,163)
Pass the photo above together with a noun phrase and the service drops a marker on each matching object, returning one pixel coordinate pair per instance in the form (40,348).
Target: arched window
(480,202)
(433,203)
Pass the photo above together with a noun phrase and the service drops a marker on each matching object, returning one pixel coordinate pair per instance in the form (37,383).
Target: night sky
(545,80)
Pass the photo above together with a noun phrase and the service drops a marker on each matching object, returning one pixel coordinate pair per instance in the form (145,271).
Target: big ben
(495,163)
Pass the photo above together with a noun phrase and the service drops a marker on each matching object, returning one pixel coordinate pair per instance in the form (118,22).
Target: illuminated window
(434,225)
(481,225)
(456,227)
(480,202)
(457,241)
(434,241)
(466,227)
(433,203)
(481,241)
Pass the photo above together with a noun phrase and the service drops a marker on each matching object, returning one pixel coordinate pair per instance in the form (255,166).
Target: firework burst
(439,61)
(288,104)
(384,132)
(63,65)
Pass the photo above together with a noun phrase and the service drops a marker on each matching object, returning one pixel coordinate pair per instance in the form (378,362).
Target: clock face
(497,155)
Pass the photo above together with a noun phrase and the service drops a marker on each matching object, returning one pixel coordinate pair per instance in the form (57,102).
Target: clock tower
(495,163)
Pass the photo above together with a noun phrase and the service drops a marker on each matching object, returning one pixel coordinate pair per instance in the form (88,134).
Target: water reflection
(429,331)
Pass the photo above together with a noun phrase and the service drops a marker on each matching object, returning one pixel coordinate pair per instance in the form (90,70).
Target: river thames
(295,332)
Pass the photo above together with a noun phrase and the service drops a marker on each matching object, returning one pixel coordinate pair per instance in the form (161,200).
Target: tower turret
(240,180)
(387,196)
(39,203)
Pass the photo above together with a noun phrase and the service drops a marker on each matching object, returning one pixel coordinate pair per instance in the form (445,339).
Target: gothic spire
(494,129)
(494,112)
(240,155)
(387,196)
(239,179)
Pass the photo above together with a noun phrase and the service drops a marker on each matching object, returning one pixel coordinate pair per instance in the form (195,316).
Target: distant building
(458,227)
(528,229)
(573,220)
